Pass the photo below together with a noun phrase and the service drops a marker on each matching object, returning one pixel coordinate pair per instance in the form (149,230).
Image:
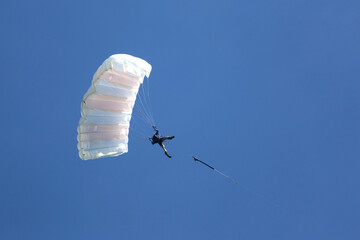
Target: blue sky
(265,91)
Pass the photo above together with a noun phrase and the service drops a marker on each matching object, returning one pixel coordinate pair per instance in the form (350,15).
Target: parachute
(107,106)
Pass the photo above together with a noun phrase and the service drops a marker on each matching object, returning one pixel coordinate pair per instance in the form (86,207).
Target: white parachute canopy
(107,106)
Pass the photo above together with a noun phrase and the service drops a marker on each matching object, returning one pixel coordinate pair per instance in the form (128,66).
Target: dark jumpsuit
(156,138)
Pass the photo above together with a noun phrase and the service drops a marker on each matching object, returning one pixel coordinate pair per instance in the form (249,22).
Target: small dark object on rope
(198,160)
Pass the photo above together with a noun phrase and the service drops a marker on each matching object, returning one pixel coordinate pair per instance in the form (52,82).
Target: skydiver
(156,138)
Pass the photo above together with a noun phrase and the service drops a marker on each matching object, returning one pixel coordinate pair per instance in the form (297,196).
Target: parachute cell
(107,106)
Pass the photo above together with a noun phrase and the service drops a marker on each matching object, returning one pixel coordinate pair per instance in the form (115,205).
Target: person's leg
(167,138)
(165,151)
